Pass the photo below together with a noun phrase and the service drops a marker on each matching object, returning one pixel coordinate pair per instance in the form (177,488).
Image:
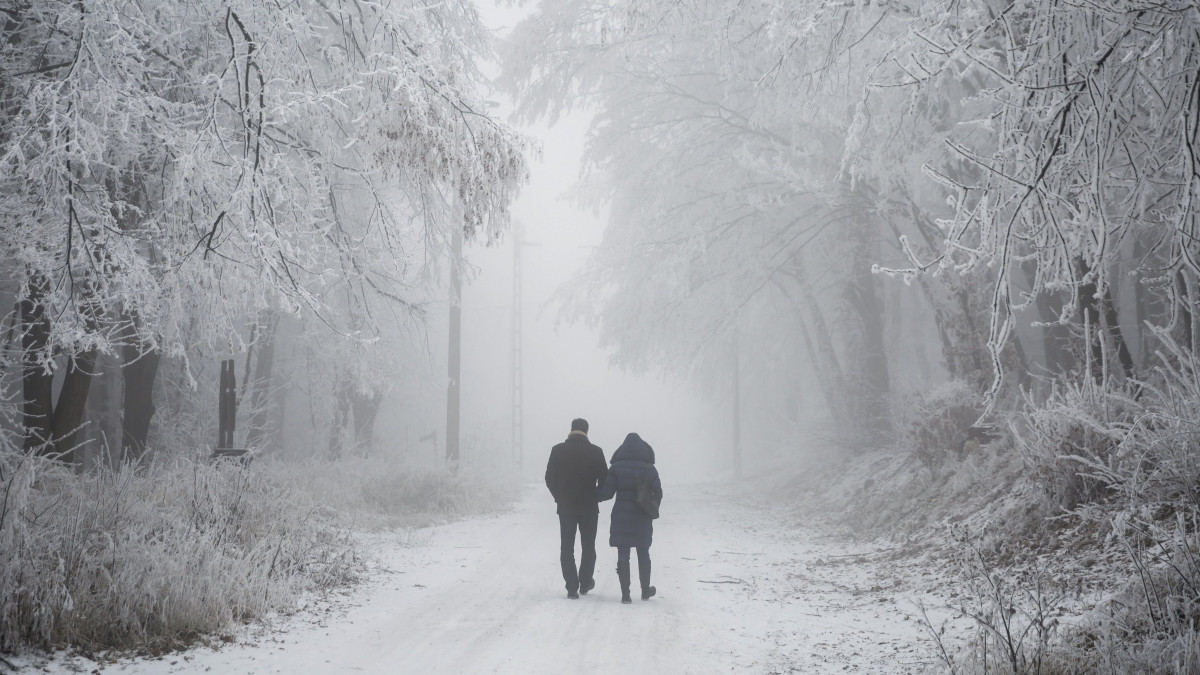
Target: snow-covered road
(736,593)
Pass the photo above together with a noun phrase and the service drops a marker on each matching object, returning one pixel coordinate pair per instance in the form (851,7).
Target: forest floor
(737,592)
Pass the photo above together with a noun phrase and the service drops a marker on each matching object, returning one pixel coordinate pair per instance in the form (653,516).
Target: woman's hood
(634,448)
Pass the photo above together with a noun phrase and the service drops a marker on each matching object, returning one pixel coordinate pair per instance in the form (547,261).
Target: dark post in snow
(453,363)
(737,410)
(227,412)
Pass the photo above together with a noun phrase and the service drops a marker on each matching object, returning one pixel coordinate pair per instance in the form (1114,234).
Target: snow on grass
(738,591)
(1070,543)
(153,558)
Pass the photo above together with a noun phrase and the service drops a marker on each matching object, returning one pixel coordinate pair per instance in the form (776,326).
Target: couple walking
(578,478)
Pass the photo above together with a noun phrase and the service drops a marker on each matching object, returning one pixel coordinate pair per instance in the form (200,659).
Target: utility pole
(518,366)
(518,414)
(454,364)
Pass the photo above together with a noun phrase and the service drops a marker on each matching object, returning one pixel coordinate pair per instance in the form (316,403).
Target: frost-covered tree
(719,141)
(1036,155)
(171,171)
(1079,172)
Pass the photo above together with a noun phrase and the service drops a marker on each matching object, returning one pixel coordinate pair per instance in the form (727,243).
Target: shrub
(1079,429)
(1124,457)
(941,425)
(153,557)
(1015,623)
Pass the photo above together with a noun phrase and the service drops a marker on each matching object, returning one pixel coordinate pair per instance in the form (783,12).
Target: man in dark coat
(631,527)
(574,472)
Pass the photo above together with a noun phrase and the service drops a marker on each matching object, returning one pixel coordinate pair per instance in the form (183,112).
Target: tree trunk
(964,340)
(1184,334)
(341,417)
(1113,324)
(830,391)
(1100,317)
(830,376)
(1056,337)
(139,374)
(68,414)
(366,409)
(37,381)
(109,411)
(50,428)
(259,431)
(862,292)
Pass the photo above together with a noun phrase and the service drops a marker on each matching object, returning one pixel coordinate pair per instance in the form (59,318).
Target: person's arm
(552,475)
(609,488)
(599,468)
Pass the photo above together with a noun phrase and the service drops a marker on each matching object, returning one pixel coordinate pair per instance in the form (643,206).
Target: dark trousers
(568,523)
(643,553)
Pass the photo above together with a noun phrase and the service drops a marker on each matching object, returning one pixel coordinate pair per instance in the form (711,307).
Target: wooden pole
(227,410)
(517,374)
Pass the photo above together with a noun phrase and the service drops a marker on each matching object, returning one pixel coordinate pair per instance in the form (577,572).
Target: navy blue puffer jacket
(630,526)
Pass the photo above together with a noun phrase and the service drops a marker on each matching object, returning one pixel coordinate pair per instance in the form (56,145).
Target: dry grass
(1088,513)
(150,558)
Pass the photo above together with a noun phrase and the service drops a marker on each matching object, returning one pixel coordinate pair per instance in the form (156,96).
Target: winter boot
(648,591)
(586,585)
(623,577)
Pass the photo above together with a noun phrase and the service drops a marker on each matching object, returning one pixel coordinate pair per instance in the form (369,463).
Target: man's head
(579,424)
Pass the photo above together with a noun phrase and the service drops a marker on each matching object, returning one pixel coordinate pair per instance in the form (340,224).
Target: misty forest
(298,296)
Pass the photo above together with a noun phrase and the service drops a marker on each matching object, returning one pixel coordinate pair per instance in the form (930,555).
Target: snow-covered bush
(939,426)
(1157,487)
(153,557)
(1015,623)
(1078,428)
(1133,445)
(1125,459)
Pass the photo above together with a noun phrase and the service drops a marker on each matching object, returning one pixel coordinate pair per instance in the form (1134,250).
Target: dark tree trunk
(50,427)
(862,292)
(139,374)
(108,410)
(941,318)
(37,381)
(958,319)
(1113,325)
(1184,335)
(821,352)
(1056,337)
(72,399)
(1100,316)
(366,409)
(829,390)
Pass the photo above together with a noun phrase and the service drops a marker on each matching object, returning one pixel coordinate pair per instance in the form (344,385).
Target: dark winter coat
(630,526)
(575,469)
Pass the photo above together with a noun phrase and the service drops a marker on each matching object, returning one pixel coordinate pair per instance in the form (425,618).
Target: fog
(566,374)
(926,271)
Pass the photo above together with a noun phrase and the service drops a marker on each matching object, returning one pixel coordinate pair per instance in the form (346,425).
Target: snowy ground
(736,593)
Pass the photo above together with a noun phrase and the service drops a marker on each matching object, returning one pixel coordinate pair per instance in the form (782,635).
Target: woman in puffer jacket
(630,526)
